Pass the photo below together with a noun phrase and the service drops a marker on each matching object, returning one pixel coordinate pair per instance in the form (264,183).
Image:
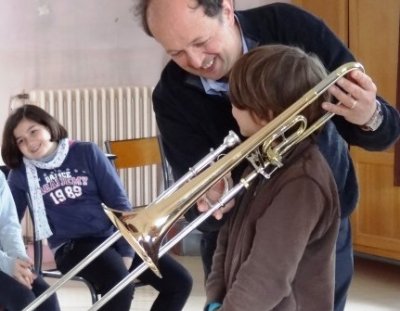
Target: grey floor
(376,287)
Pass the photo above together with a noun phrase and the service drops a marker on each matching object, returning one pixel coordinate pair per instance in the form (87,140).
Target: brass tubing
(145,229)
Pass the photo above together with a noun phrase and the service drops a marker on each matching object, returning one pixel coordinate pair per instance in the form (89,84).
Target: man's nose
(195,59)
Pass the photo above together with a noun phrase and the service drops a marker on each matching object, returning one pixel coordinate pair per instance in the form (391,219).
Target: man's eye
(175,54)
(200,44)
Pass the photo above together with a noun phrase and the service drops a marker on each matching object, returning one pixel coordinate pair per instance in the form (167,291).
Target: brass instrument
(146,228)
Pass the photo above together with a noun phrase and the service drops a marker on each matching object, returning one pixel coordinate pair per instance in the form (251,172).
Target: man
(204,39)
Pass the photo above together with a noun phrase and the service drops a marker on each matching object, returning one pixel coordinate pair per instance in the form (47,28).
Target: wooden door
(371,30)
(374,39)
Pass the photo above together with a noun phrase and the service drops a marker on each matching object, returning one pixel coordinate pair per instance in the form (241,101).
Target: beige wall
(59,44)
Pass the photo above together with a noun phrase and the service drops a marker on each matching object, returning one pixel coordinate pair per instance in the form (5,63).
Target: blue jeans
(108,269)
(14,296)
(174,288)
(344,264)
(103,273)
(208,243)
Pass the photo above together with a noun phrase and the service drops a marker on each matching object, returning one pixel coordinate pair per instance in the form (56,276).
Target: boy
(277,249)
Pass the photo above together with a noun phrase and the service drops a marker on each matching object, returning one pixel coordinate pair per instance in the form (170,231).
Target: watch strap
(376,120)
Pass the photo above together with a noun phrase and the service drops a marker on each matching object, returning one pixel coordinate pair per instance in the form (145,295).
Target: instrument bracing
(146,228)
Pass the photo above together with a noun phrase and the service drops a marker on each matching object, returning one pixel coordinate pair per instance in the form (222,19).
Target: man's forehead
(173,8)
(174,41)
(180,29)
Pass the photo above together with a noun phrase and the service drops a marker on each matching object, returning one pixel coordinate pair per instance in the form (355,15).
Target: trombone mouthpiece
(144,246)
(232,139)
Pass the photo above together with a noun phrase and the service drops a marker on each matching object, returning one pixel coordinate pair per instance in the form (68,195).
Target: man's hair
(272,77)
(10,152)
(211,8)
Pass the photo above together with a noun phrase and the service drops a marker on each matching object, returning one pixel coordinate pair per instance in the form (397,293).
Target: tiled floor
(376,287)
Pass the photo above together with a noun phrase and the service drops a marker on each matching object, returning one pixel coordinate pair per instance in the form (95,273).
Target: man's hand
(357,94)
(214,194)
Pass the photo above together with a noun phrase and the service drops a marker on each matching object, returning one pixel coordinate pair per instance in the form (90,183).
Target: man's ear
(228,10)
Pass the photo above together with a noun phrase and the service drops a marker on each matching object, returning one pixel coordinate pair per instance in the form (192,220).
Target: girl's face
(33,139)
(248,122)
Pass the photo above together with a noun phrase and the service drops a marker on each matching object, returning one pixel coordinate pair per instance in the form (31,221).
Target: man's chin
(211,76)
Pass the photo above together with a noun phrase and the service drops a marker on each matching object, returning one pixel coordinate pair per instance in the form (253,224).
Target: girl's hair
(272,77)
(10,152)
(211,8)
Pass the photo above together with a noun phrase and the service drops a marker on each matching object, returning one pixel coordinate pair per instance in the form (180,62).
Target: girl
(18,285)
(68,181)
(277,249)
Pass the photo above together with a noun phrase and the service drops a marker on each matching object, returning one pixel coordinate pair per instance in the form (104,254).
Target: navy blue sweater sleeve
(111,190)
(385,136)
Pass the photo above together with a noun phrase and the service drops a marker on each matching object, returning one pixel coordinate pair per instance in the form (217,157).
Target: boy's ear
(259,120)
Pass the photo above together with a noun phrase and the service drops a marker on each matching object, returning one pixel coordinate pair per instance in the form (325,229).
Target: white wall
(70,43)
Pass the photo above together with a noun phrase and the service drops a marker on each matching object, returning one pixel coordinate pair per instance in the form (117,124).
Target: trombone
(146,228)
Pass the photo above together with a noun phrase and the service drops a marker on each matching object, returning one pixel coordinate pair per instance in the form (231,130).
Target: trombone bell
(146,246)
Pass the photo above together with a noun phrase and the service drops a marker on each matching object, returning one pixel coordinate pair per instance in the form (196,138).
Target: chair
(136,153)
(52,273)
(139,152)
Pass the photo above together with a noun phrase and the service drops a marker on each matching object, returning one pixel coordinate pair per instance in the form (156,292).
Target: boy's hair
(211,8)
(272,77)
(10,152)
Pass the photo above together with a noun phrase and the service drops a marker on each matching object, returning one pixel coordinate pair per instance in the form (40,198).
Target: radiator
(99,114)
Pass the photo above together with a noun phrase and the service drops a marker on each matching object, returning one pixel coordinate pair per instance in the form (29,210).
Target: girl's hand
(23,273)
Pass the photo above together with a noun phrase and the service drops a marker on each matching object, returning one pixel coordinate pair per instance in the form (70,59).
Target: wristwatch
(376,119)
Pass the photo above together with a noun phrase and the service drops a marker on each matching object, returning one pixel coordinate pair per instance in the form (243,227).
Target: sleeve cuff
(213,306)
